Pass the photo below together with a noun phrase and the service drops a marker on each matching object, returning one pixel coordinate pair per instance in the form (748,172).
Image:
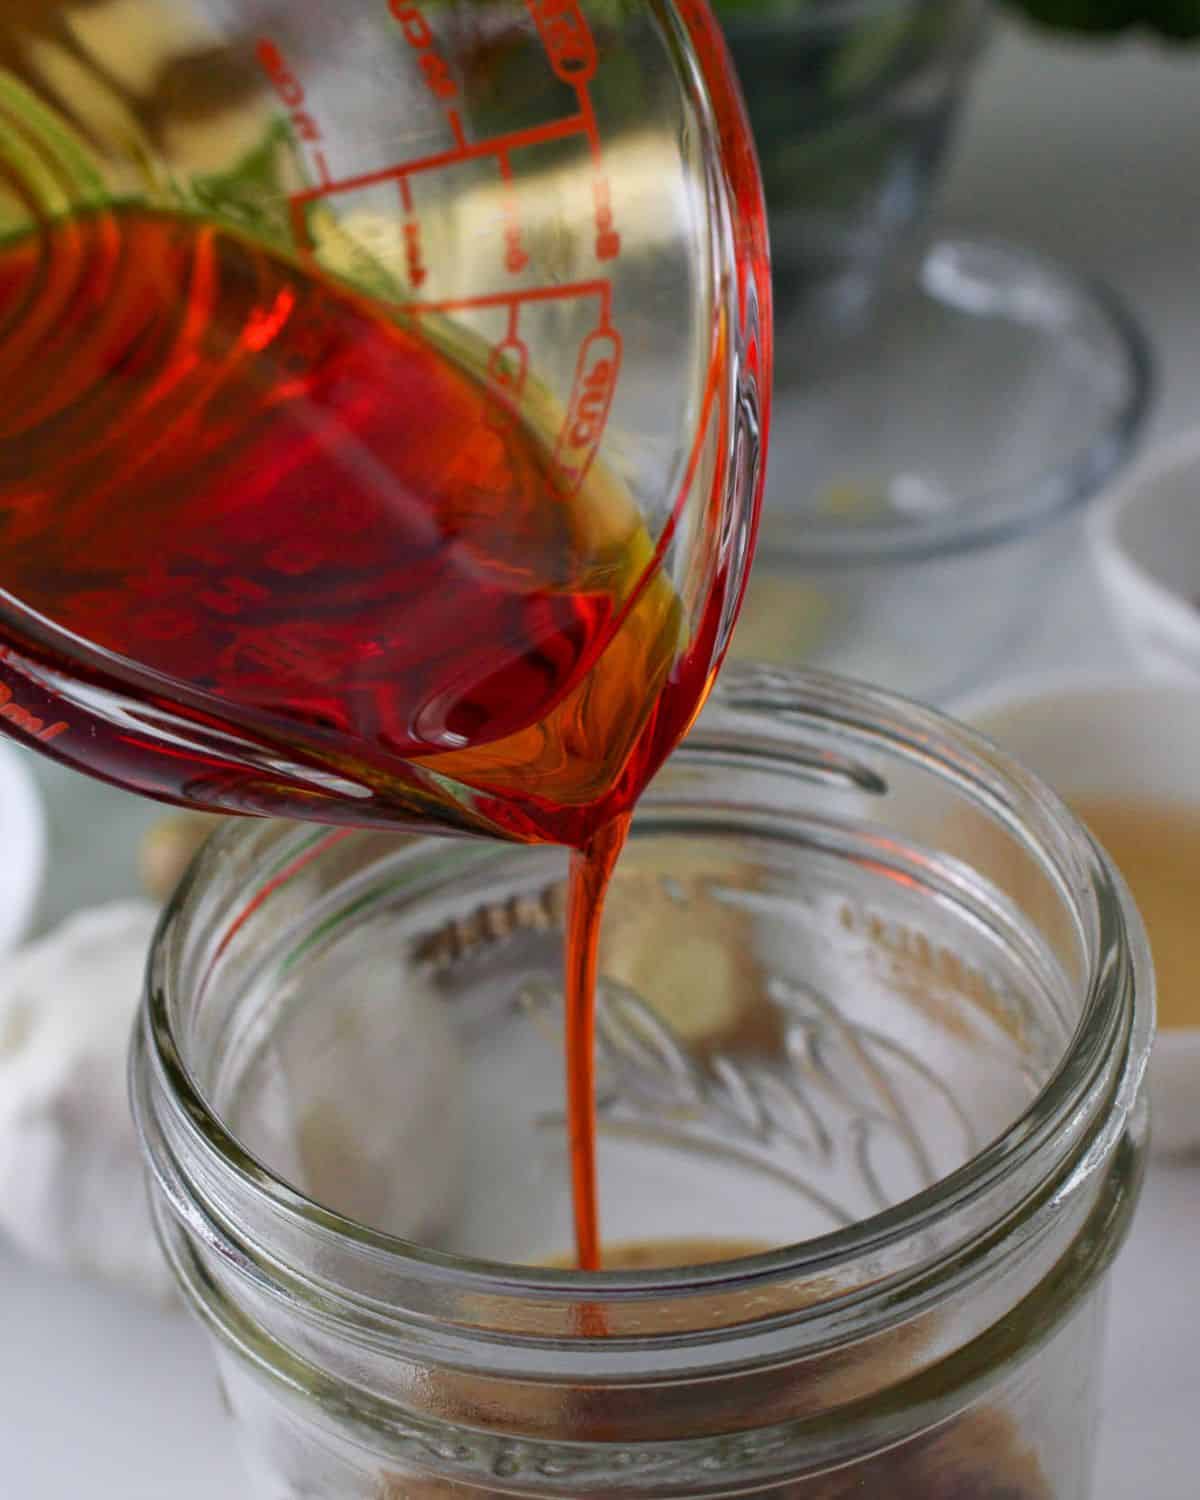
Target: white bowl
(1146,541)
(23,841)
(1111,736)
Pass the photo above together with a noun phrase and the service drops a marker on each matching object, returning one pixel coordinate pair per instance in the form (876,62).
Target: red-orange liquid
(319,535)
(301,543)
(591,870)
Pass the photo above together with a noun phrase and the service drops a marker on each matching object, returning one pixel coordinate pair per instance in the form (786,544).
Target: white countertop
(1088,153)
(104,1399)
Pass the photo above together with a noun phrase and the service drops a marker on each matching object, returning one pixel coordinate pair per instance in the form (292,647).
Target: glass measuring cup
(386,394)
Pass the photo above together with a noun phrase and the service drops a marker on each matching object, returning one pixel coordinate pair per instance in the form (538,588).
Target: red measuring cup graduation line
(571,52)
(596,368)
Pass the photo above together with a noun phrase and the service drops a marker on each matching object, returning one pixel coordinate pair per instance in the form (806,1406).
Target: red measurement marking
(14,713)
(608,241)
(419,35)
(571,51)
(290,91)
(508,365)
(515,140)
(417,270)
(596,373)
(567,39)
(23,719)
(515,256)
(414,258)
(438,76)
(600,289)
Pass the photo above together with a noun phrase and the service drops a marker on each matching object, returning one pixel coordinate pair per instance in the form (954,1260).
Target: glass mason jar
(875,1012)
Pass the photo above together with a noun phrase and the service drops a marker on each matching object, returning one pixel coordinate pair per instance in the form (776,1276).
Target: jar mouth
(754,713)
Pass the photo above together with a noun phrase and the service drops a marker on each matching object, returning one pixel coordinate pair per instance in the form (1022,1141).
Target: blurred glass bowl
(926,486)
(853,105)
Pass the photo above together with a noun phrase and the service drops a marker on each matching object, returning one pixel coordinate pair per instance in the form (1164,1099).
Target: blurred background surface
(1085,153)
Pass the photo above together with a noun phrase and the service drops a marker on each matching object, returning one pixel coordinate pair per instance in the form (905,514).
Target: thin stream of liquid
(591,872)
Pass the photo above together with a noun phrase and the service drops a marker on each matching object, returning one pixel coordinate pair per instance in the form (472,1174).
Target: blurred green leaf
(1174,20)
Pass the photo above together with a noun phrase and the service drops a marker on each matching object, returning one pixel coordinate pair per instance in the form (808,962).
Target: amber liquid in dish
(1156,847)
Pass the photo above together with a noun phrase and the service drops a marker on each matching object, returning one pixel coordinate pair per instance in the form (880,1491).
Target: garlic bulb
(169,846)
(358,1100)
(71,1184)
(360,1106)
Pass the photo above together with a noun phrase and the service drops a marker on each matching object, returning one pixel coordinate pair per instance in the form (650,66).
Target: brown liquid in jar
(977,1456)
(665,1255)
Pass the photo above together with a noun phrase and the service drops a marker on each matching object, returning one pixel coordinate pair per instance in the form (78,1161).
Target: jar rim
(1116,1020)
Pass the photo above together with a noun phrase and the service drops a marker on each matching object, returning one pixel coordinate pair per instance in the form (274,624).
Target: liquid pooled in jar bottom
(665,1255)
(979,1455)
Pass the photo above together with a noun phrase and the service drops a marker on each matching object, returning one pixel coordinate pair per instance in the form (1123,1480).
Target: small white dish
(1118,737)
(23,846)
(1146,541)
